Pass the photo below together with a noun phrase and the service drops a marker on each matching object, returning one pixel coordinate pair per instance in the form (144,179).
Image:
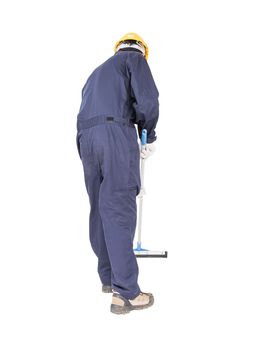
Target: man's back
(121,87)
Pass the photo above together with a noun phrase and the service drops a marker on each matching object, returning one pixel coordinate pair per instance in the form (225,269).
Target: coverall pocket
(134,182)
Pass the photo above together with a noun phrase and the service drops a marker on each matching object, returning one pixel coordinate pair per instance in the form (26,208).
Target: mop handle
(144,138)
(143,145)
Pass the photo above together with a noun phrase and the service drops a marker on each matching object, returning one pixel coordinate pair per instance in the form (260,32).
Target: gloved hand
(148,150)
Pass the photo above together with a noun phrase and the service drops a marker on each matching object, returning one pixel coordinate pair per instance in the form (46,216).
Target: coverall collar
(129,49)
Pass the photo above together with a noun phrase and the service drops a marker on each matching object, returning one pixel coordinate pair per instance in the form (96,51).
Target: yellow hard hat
(136,37)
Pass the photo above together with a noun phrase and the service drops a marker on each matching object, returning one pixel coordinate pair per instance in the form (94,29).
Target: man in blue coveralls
(119,93)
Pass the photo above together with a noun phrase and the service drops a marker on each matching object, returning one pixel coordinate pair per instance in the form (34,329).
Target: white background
(208,194)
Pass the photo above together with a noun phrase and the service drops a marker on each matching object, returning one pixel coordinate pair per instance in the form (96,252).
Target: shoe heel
(119,310)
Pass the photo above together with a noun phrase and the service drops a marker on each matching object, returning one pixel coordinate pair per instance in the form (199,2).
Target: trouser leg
(117,205)
(93,179)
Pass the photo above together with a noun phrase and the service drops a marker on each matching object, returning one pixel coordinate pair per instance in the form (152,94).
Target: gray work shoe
(121,305)
(106,289)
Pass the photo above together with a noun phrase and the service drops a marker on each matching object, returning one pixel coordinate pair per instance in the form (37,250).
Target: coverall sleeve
(145,95)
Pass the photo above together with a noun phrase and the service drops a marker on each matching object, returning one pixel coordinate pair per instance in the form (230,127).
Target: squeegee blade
(151,254)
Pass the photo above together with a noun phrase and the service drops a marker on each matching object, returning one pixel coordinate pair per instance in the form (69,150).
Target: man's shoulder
(120,57)
(110,61)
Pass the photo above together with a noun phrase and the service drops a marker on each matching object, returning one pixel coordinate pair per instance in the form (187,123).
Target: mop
(139,251)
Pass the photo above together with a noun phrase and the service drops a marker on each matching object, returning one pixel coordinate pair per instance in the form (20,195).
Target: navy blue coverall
(118,94)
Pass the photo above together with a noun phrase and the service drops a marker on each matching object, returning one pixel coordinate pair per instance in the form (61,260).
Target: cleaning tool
(139,251)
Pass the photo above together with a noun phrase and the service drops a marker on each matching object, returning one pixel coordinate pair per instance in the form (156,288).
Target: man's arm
(145,94)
